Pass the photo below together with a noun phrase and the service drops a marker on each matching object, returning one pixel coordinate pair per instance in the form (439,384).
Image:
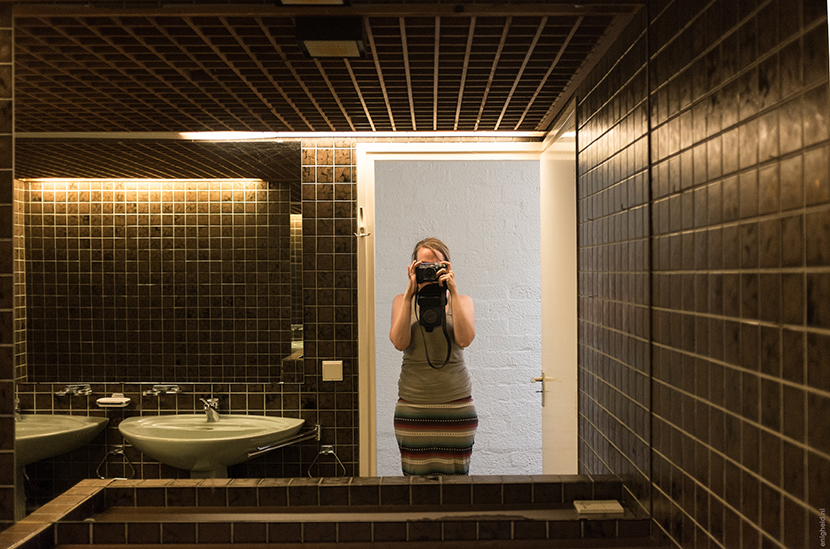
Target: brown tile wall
(7,280)
(130,281)
(704,201)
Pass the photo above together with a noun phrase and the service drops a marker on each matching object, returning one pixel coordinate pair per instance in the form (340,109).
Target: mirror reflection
(182,279)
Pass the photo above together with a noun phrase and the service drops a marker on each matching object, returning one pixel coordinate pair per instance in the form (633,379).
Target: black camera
(427,272)
(432,300)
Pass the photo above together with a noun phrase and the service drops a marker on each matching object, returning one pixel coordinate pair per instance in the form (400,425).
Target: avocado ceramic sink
(38,437)
(206,449)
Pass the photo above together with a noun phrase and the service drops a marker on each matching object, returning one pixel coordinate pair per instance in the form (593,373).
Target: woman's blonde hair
(433,244)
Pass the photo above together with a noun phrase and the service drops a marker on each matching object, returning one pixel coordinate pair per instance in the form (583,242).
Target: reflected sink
(188,441)
(38,437)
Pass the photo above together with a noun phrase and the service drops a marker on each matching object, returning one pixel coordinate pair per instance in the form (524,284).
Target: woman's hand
(446,277)
(412,285)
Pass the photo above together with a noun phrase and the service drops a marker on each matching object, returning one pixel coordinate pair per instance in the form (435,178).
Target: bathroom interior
(702,206)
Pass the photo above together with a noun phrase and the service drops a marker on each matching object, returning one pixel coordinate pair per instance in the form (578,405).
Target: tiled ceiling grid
(224,66)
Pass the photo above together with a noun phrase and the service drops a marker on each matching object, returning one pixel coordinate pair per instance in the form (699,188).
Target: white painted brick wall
(488,214)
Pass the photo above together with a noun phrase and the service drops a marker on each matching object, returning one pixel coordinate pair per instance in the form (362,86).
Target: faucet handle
(210,403)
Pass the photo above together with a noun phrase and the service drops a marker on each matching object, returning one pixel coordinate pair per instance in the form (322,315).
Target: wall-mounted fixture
(117,400)
(337,37)
(75,389)
(162,390)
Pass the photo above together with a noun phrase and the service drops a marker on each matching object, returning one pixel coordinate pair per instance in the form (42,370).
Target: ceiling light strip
(374,50)
(549,71)
(493,68)
(402,24)
(359,94)
(268,136)
(522,70)
(470,34)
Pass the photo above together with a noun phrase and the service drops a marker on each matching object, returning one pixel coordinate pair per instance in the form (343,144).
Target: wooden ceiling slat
(530,49)
(334,94)
(491,77)
(381,81)
(550,70)
(359,94)
(405,54)
(463,78)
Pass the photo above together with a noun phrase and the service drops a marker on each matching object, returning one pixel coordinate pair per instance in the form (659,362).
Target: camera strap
(444,328)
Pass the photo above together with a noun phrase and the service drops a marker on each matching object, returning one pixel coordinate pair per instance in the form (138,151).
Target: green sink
(38,437)
(206,449)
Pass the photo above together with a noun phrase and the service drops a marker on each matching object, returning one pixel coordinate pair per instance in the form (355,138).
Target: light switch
(332,370)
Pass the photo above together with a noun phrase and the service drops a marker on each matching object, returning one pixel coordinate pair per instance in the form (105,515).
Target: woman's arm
(463,319)
(463,311)
(400,331)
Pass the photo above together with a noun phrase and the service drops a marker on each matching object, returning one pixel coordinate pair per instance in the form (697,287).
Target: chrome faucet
(162,390)
(75,389)
(211,409)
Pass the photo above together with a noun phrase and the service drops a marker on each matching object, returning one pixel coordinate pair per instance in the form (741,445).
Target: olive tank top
(421,383)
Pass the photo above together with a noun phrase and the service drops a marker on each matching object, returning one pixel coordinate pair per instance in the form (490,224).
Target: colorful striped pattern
(436,439)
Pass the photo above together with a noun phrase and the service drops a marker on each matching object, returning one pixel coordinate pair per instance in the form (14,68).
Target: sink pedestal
(219,472)
(19,494)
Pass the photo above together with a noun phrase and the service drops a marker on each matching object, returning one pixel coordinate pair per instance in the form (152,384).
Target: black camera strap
(443,326)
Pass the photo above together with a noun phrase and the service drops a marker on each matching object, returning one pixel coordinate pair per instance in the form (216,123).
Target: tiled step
(478,512)
(350,524)
(519,544)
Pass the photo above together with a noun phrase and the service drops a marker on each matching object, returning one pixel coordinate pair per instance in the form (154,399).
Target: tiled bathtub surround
(704,200)
(362,510)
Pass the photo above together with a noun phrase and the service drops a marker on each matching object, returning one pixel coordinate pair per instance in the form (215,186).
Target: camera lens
(430,316)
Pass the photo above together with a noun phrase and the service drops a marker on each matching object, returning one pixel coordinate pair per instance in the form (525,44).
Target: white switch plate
(332,370)
(598,507)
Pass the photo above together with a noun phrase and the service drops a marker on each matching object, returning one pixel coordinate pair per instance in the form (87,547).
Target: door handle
(542,379)
(361,226)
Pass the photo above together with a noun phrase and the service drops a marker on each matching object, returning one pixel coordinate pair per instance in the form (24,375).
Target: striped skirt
(436,439)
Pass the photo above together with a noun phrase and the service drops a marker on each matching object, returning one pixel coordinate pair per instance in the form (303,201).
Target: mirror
(162,261)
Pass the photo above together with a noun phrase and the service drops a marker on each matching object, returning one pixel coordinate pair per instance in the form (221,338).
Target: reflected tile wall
(7,280)
(739,213)
(329,298)
(157,280)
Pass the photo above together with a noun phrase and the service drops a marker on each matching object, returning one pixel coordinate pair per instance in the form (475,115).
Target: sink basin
(206,449)
(38,437)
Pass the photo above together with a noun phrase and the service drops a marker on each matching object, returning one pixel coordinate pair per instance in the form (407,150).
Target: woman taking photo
(432,323)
